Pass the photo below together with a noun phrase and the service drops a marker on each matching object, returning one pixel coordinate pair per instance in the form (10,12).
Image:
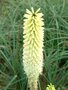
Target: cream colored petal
(28,11)
(39,14)
(27,16)
(37,11)
(32,9)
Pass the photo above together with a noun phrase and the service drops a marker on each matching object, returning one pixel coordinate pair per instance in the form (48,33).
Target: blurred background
(55,70)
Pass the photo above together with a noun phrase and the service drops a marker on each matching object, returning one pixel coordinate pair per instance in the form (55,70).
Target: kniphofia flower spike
(50,87)
(33,46)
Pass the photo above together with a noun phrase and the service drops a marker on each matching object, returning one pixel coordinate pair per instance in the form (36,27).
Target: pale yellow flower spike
(33,46)
(50,87)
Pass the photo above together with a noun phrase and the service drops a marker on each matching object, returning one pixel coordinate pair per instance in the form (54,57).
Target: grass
(55,71)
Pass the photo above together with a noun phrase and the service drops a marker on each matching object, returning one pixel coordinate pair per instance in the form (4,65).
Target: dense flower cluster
(50,87)
(33,45)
